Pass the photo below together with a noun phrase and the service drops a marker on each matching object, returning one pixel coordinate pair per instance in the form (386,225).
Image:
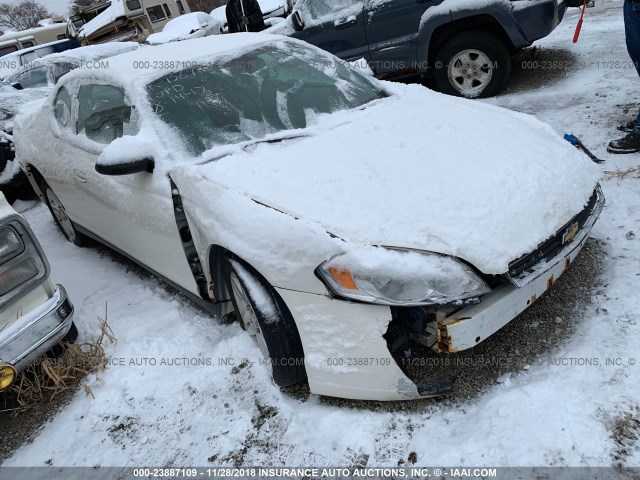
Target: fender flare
(497,14)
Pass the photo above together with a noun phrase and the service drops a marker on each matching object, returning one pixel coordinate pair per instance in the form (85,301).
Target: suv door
(336,26)
(392,30)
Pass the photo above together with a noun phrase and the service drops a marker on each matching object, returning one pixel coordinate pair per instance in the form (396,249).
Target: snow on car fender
(353,212)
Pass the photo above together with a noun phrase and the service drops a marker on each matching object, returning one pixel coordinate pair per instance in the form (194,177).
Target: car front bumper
(35,333)
(346,354)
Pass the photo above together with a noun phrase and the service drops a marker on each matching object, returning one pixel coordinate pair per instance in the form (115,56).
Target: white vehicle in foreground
(187,27)
(345,218)
(35,314)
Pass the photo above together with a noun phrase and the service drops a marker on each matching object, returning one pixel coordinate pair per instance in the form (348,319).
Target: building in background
(124,20)
(48,30)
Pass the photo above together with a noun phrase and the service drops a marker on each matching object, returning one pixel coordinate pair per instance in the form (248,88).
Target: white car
(186,27)
(343,217)
(46,71)
(35,314)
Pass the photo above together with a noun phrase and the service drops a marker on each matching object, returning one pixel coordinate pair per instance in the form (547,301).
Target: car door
(132,213)
(335,26)
(392,30)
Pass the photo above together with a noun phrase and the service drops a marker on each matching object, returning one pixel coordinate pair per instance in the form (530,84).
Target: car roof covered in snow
(142,66)
(89,52)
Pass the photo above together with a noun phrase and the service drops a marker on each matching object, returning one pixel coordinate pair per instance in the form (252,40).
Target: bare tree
(78,5)
(23,15)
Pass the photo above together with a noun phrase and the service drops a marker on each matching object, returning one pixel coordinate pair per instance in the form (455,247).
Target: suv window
(103,113)
(62,108)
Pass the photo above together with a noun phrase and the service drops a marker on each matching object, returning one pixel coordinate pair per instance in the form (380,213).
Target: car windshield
(266,91)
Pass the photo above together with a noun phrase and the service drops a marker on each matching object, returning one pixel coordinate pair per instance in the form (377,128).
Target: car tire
(272,325)
(60,216)
(473,64)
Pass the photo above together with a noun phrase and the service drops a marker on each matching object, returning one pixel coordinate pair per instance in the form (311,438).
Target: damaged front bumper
(348,356)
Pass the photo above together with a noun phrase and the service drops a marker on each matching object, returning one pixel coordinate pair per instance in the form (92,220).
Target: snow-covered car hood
(190,25)
(423,171)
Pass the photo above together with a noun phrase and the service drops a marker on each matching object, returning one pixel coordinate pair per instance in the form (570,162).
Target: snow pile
(190,25)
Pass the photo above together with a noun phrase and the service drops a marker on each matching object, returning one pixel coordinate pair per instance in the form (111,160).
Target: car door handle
(80,176)
(350,22)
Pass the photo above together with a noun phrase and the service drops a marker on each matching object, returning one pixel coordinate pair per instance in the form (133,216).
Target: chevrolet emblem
(570,233)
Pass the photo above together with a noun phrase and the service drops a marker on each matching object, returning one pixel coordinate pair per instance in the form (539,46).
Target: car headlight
(395,277)
(10,244)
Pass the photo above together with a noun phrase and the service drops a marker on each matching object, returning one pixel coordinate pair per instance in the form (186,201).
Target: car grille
(552,247)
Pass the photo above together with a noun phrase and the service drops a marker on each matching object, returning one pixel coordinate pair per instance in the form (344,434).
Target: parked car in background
(46,71)
(271,9)
(47,31)
(465,47)
(124,20)
(13,61)
(187,26)
(35,314)
(13,182)
(311,199)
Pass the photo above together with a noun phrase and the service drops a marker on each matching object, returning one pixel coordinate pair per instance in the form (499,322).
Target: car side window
(34,77)
(62,108)
(104,113)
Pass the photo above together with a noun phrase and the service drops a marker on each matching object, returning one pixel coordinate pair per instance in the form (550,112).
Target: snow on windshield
(260,93)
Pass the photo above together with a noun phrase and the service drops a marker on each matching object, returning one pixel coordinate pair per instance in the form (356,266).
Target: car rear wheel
(473,65)
(60,216)
(265,316)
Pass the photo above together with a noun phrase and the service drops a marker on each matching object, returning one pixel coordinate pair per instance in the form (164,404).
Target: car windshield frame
(266,91)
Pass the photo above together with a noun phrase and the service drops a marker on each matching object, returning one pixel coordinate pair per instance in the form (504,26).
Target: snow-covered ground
(172,395)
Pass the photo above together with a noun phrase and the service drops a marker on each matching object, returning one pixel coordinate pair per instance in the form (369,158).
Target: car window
(263,92)
(8,49)
(103,113)
(62,108)
(34,77)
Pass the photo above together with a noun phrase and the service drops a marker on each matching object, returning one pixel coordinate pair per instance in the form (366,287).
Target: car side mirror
(126,167)
(17,86)
(298,24)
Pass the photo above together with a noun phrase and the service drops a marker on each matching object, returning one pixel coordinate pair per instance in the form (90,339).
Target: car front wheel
(265,316)
(473,64)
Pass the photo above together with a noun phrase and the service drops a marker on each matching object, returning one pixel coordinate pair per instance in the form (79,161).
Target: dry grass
(631,172)
(49,377)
